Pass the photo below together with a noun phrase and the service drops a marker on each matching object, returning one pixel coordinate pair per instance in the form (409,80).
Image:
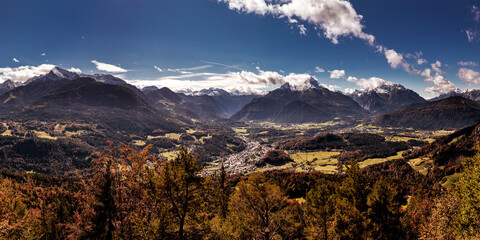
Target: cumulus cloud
(337,18)
(15,60)
(24,73)
(370,83)
(75,70)
(158,69)
(108,67)
(336,74)
(440,84)
(319,70)
(468,64)
(469,76)
(393,58)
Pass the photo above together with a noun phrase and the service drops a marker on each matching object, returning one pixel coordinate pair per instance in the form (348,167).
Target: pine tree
(351,206)
(319,209)
(382,213)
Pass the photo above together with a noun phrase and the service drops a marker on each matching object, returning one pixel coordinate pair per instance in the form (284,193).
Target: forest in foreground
(130,194)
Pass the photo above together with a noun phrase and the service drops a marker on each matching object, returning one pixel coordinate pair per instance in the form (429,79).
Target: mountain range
(61,93)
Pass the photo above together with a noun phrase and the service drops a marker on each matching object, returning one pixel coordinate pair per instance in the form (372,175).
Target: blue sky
(240,45)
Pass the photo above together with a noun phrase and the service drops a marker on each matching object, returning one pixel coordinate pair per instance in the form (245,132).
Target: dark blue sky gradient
(138,34)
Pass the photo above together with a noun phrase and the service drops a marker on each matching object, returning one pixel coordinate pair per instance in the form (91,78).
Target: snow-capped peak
(388,87)
(64,74)
(56,74)
(301,86)
(207,92)
(105,78)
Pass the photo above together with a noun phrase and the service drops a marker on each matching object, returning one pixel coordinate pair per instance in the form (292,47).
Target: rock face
(7,86)
(309,103)
(386,98)
(449,113)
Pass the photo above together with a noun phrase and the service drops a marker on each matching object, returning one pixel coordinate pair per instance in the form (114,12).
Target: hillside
(448,113)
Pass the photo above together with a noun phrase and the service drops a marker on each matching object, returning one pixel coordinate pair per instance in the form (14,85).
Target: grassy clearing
(7,133)
(421,165)
(449,181)
(175,136)
(302,157)
(169,155)
(372,161)
(152,137)
(401,139)
(320,161)
(41,134)
(139,142)
(190,131)
(201,140)
(79,132)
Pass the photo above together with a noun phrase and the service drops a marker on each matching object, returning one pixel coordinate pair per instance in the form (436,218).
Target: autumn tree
(319,209)
(180,183)
(258,210)
(467,191)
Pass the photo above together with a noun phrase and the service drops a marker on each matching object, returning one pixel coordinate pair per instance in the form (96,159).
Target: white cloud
(15,60)
(75,70)
(108,67)
(476,13)
(370,83)
(337,18)
(242,81)
(195,68)
(302,29)
(349,90)
(189,70)
(440,84)
(472,35)
(468,64)
(330,87)
(421,61)
(43,54)
(24,73)
(336,74)
(393,58)
(469,76)
(319,70)
(158,69)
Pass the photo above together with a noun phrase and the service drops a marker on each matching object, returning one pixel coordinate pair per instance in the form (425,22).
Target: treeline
(133,195)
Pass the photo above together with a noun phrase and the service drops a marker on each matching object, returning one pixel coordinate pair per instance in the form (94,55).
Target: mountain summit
(56,74)
(386,98)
